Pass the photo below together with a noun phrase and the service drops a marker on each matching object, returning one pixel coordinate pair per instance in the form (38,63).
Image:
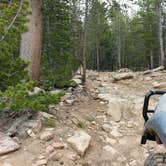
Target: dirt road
(111,114)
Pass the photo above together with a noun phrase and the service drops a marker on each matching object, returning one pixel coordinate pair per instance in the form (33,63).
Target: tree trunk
(98,58)
(85,42)
(31,41)
(119,44)
(160,34)
(151,60)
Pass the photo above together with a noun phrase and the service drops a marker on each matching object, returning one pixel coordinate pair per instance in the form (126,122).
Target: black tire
(157,159)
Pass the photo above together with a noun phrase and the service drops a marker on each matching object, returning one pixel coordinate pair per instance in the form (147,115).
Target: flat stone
(123,76)
(41,162)
(111,141)
(6,164)
(70,102)
(116,134)
(109,149)
(115,111)
(80,141)
(46,136)
(156,74)
(148,79)
(41,157)
(7,144)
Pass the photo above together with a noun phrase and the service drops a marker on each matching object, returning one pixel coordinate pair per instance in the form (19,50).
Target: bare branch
(109,2)
(10,1)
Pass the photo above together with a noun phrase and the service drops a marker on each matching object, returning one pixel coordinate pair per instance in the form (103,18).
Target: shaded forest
(48,41)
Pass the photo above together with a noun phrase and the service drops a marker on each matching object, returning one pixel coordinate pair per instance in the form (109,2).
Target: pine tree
(12,24)
(56,57)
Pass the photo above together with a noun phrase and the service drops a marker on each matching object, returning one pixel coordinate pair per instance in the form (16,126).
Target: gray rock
(38,90)
(13,130)
(47,135)
(34,125)
(123,76)
(106,127)
(55,91)
(55,156)
(44,115)
(80,142)
(7,144)
(147,72)
(31,125)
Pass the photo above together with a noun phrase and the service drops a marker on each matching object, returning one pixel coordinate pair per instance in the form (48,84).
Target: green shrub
(18,99)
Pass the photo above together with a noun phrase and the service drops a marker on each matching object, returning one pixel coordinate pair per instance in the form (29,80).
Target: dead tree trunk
(31,41)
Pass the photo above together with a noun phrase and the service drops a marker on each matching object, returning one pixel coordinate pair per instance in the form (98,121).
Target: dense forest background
(56,37)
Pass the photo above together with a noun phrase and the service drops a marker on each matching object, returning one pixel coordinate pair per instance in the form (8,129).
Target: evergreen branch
(14,19)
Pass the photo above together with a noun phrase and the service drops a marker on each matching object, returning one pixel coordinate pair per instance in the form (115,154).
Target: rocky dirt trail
(101,126)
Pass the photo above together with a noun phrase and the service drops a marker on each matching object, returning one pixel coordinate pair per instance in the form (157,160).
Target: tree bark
(98,58)
(160,34)
(85,42)
(119,43)
(31,41)
(151,60)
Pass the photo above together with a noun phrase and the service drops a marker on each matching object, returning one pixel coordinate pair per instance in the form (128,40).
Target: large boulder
(123,76)
(7,144)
